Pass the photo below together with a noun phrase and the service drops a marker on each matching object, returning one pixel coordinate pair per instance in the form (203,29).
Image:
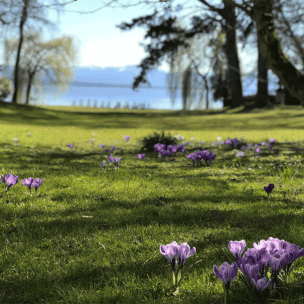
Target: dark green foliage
(149,142)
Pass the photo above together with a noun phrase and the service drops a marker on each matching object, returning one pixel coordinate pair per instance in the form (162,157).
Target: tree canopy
(39,58)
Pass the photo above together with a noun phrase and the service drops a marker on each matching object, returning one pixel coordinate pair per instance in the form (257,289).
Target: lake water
(152,98)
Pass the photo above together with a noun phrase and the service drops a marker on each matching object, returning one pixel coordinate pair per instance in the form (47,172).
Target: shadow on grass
(162,209)
(39,116)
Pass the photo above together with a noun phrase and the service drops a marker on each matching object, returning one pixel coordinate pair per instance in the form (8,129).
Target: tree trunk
(262,95)
(207,92)
(31,76)
(232,56)
(271,50)
(23,19)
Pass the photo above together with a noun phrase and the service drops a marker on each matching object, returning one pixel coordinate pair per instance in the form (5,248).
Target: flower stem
(226,291)
(4,192)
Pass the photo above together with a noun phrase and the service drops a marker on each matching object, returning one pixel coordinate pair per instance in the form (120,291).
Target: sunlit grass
(93,236)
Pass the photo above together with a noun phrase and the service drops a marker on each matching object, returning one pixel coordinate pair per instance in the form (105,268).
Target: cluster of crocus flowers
(165,152)
(202,154)
(273,254)
(31,182)
(113,160)
(13,179)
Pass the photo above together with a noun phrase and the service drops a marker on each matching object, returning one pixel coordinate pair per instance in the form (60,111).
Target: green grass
(93,236)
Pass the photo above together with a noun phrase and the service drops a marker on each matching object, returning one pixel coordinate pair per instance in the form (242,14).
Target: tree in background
(270,46)
(31,10)
(169,28)
(39,58)
(5,88)
(186,78)
(260,11)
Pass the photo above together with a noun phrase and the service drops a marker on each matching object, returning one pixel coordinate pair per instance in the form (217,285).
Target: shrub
(5,87)
(149,142)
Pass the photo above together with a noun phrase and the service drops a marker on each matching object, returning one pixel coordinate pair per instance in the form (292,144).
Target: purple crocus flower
(235,142)
(277,262)
(113,147)
(28,182)
(243,148)
(269,188)
(92,140)
(272,141)
(237,248)
(10,180)
(106,150)
(127,138)
(37,183)
(117,159)
(226,273)
(270,146)
(260,283)
(253,261)
(257,150)
(102,145)
(249,147)
(256,145)
(263,143)
(177,256)
(141,156)
(70,145)
(111,151)
(110,158)
(274,245)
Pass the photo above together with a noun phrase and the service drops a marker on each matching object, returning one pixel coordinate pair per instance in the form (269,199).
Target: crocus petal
(260,284)
(252,270)
(261,244)
(277,264)
(184,252)
(226,273)
(11,180)
(27,182)
(37,183)
(217,272)
(237,247)
(170,251)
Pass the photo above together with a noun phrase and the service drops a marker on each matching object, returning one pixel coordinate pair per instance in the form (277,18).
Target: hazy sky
(100,43)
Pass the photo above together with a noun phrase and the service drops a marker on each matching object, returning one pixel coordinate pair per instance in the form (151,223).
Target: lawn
(93,235)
